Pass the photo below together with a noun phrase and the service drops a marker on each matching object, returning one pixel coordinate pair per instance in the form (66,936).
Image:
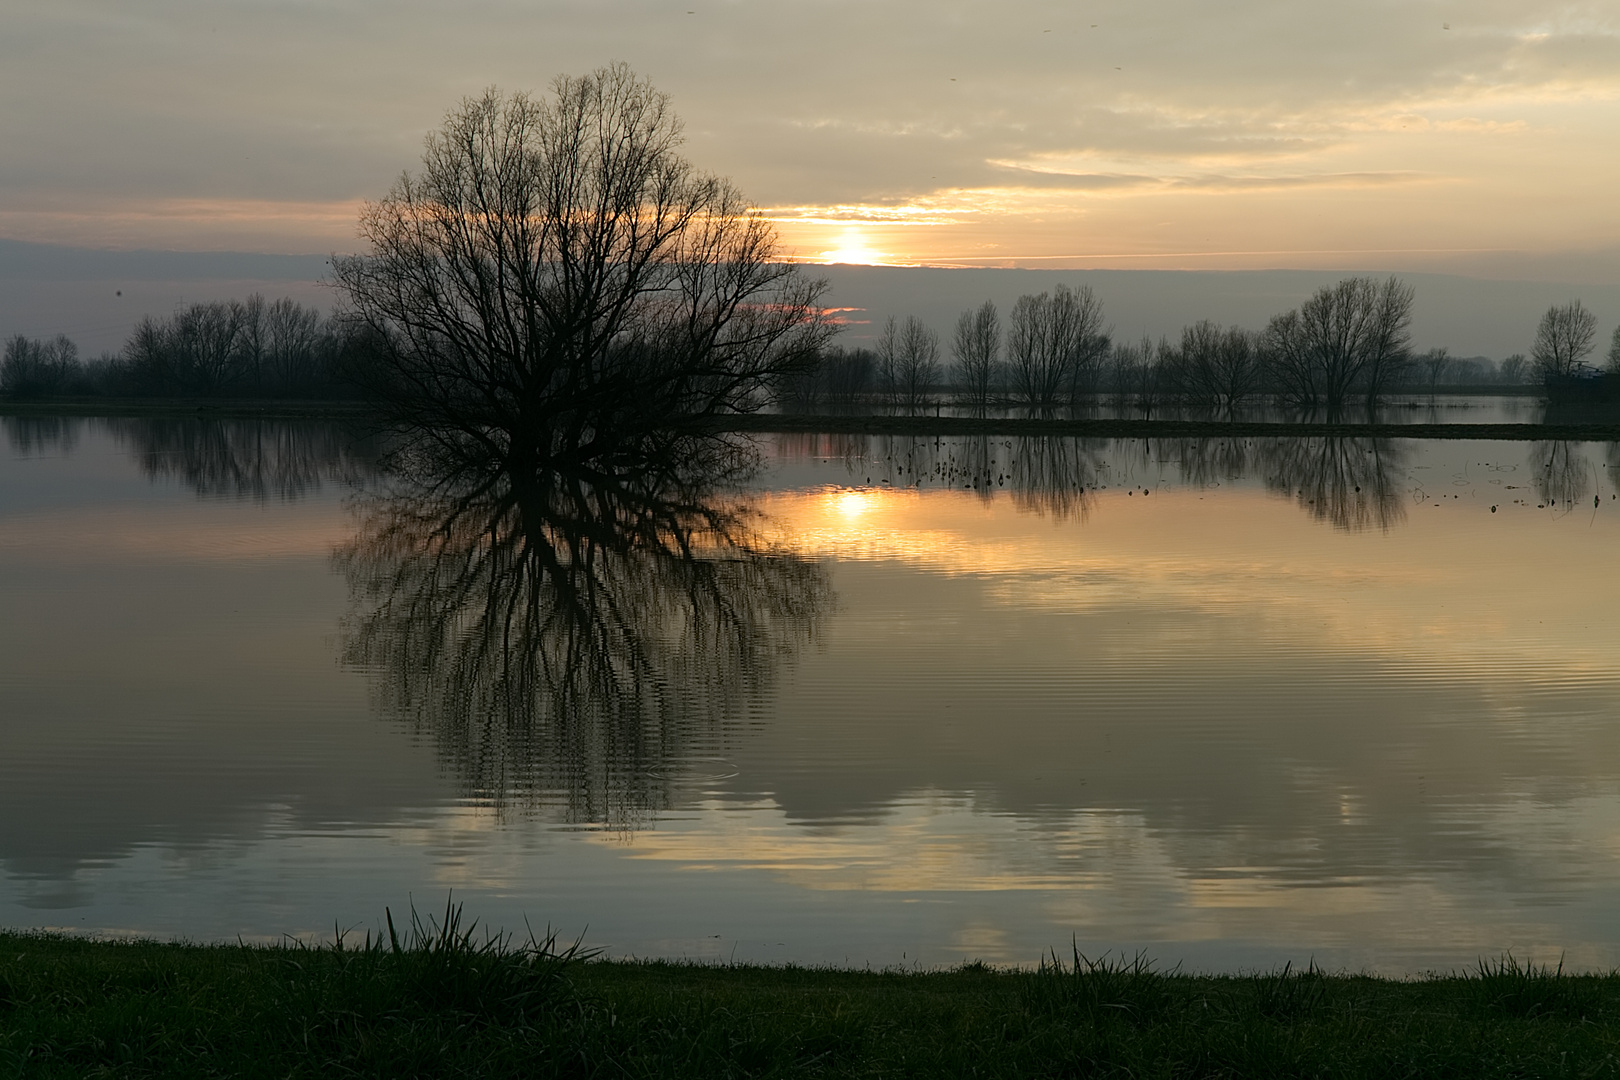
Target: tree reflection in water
(1212,462)
(1044,475)
(1057,476)
(1350,483)
(253,459)
(244,459)
(572,637)
(28,436)
(1564,477)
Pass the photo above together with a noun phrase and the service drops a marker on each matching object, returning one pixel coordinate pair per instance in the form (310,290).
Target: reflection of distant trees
(1348,482)
(570,635)
(806,444)
(1056,476)
(1207,462)
(1045,475)
(29,435)
(1563,475)
(258,459)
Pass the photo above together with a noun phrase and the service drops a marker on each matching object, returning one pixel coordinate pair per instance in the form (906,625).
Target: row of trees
(33,367)
(237,347)
(1347,345)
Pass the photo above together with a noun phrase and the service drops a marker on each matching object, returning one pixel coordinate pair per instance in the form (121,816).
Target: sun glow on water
(853,503)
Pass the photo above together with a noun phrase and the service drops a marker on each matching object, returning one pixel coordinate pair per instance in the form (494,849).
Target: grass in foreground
(439,1002)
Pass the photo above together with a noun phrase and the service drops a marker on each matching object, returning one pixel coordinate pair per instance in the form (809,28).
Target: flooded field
(885,701)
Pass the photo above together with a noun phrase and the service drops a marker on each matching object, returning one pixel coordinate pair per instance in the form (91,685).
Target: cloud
(1057,176)
(831,105)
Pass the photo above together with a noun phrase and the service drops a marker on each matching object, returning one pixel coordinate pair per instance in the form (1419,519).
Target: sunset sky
(1473,138)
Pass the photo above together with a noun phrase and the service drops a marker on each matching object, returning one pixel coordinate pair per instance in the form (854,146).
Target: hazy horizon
(96,296)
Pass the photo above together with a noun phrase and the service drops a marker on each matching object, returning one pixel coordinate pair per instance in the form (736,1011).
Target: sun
(852,248)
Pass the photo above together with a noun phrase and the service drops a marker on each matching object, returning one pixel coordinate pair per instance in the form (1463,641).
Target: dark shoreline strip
(1154,429)
(171,408)
(824,424)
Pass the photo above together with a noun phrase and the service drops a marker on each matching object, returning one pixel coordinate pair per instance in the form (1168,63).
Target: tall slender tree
(976,350)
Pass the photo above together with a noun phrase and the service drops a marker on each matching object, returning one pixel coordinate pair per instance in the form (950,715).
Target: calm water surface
(894,701)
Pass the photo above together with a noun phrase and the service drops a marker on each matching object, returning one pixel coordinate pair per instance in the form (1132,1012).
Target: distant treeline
(1348,345)
(228,348)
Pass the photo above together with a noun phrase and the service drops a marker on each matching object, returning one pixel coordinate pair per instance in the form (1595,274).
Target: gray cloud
(110,107)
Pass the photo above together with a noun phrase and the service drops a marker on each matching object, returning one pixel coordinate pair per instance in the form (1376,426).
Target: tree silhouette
(1564,338)
(1350,339)
(976,350)
(558,284)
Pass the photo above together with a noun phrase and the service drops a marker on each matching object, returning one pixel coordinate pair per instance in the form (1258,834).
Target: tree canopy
(558,283)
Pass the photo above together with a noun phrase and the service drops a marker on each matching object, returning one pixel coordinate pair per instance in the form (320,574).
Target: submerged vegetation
(439,998)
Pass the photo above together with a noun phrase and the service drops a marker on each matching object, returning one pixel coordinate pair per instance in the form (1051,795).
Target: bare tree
(888,362)
(918,364)
(1217,368)
(1238,371)
(1055,346)
(1150,371)
(1614,352)
(291,335)
(251,342)
(236,346)
(1123,360)
(1514,369)
(847,375)
(1563,339)
(1289,362)
(976,347)
(557,283)
(1388,343)
(1435,364)
(1197,360)
(208,345)
(38,368)
(1347,339)
(198,351)
(800,388)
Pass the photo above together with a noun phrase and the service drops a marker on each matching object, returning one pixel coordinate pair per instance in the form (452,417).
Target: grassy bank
(446,1005)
